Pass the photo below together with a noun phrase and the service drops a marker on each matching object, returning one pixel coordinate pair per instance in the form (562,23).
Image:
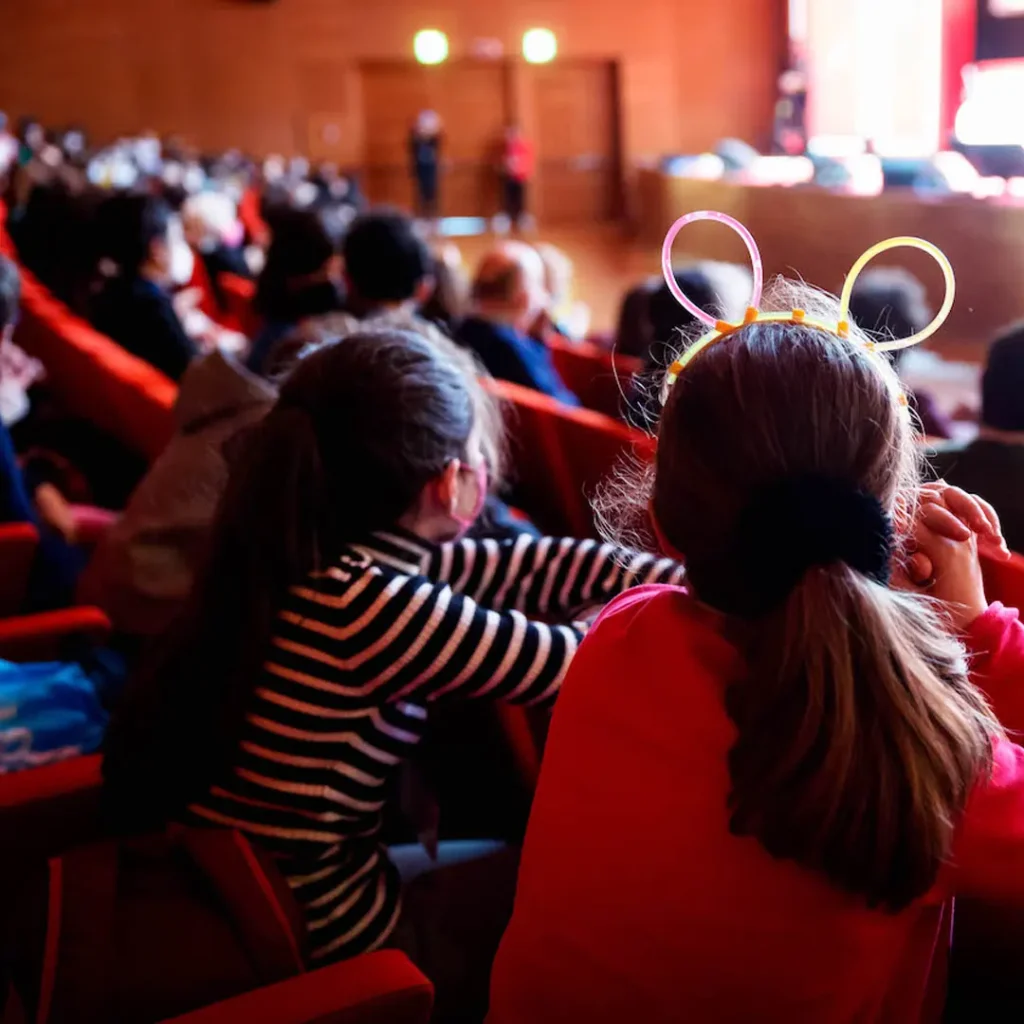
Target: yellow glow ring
(909,242)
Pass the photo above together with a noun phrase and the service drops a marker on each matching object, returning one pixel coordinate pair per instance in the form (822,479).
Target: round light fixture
(539,45)
(430,46)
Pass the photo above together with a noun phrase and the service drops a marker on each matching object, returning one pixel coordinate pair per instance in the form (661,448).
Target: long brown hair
(858,733)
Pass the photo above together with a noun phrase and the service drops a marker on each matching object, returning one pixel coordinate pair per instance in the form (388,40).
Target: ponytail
(859,736)
(179,721)
(359,429)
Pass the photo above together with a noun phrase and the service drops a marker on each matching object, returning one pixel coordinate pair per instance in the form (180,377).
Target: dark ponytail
(359,429)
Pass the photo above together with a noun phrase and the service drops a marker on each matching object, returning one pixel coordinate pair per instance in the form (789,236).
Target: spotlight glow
(430,46)
(539,45)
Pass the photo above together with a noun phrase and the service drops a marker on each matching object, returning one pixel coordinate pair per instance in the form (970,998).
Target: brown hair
(859,735)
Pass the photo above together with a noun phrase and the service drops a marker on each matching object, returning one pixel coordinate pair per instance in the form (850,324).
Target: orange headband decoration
(841,329)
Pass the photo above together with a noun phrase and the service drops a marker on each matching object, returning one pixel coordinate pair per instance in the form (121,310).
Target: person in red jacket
(761,793)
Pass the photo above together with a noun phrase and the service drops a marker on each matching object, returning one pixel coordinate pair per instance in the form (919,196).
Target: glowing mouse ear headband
(841,329)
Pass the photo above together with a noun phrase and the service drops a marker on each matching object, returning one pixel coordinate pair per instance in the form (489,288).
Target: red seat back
(1004,581)
(93,377)
(239,295)
(596,376)
(560,455)
(18,543)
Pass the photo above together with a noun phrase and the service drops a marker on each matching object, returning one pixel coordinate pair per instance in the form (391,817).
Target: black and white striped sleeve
(416,641)
(548,577)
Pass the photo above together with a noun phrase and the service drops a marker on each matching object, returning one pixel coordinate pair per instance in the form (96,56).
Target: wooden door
(574,107)
(471,98)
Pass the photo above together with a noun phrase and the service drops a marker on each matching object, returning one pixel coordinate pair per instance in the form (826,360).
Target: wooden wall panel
(229,72)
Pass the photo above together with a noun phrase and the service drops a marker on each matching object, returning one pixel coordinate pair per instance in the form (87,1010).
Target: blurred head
(302,273)
(428,122)
(10,296)
(888,303)
(386,261)
(368,434)
(31,133)
(785,461)
(142,236)
(668,318)
(207,219)
(509,285)
(1002,386)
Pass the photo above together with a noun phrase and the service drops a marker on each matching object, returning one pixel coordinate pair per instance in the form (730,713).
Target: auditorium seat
(1004,581)
(376,988)
(560,455)
(239,295)
(596,376)
(18,543)
(94,378)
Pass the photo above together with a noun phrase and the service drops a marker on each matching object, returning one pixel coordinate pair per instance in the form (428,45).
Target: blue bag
(49,711)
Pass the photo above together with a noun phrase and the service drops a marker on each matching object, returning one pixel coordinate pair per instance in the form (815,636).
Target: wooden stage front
(816,235)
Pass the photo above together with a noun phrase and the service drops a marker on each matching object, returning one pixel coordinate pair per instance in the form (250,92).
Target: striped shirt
(358,652)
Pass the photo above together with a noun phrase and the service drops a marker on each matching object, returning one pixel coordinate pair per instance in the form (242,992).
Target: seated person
(39,503)
(144,242)
(889,302)
(144,566)
(666,325)
(761,794)
(300,279)
(508,296)
(210,221)
(993,463)
(633,330)
(339,603)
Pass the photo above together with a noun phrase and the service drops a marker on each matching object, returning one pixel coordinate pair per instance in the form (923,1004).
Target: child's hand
(949,528)
(955,578)
(55,512)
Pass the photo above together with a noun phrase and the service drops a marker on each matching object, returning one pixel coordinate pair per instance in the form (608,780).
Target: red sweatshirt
(636,904)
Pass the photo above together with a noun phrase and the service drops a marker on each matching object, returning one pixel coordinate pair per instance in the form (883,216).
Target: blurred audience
(992,465)
(508,295)
(887,303)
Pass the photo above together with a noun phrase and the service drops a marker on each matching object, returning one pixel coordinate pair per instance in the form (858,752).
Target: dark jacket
(140,317)
(509,355)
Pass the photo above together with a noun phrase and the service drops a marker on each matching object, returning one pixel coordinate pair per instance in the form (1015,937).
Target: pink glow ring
(748,241)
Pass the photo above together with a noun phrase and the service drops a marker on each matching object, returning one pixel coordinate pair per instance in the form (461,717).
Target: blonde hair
(858,733)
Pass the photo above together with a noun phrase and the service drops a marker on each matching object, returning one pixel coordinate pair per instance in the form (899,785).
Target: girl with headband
(810,759)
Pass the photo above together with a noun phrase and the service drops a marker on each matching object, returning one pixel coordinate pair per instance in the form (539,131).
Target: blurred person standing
(425,160)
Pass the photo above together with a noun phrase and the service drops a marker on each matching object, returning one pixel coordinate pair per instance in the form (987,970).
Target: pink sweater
(635,903)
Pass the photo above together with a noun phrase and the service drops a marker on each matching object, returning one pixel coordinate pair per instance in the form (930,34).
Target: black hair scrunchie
(787,527)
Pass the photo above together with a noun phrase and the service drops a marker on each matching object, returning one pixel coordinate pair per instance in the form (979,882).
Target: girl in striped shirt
(338,603)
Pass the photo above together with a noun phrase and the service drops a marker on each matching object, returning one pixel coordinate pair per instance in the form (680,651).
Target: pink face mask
(466,522)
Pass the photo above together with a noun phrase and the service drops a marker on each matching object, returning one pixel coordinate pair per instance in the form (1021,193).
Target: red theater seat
(1004,581)
(238,298)
(560,455)
(596,376)
(377,988)
(94,378)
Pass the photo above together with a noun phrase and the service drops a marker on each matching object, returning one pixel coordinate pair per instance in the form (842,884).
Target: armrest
(376,988)
(46,635)
(51,780)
